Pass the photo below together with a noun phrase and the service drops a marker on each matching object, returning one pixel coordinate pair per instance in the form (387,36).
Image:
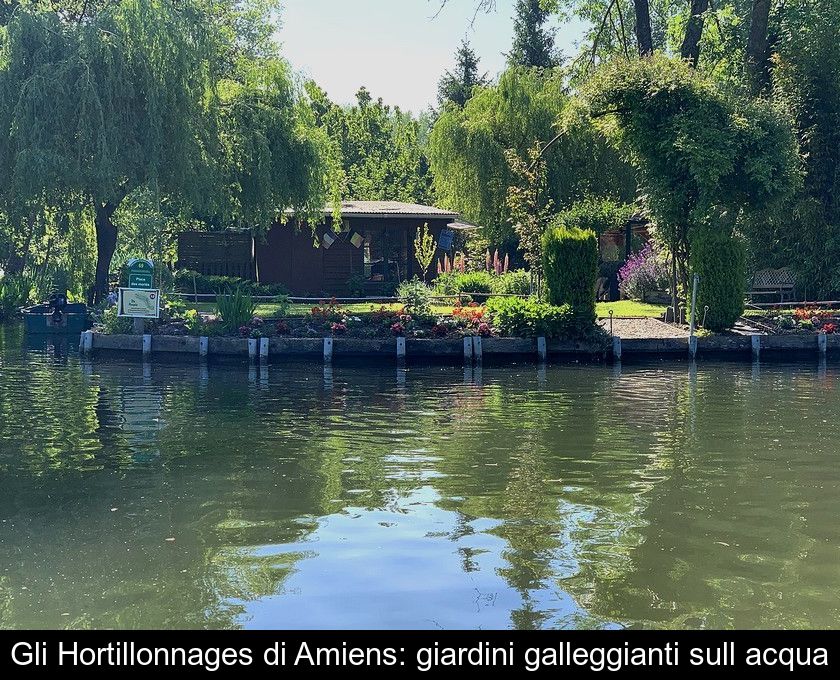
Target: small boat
(56,316)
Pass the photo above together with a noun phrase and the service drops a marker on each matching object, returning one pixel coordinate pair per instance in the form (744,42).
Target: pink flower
(398,329)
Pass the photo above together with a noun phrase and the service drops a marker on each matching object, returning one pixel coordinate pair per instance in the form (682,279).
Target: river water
(573,496)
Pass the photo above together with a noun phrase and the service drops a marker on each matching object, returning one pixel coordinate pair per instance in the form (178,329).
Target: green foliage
(424,249)
(512,283)
(706,160)
(116,325)
(380,150)
(721,263)
(517,317)
(236,307)
(416,298)
(597,214)
(467,150)
(15,292)
(533,41)
(478,284)
(456,87)
(529,203)
(570,263)
(483,283)
(188,281)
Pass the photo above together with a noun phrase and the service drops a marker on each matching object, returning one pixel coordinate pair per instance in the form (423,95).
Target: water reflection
(533,497)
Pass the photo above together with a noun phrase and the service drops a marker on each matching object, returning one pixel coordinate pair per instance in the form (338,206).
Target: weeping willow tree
(469,150)
(185,100)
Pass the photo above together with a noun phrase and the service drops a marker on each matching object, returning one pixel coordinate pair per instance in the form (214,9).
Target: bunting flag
(357,239)
(328,240)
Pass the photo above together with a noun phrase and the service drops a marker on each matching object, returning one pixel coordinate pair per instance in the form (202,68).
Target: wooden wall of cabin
(288,257)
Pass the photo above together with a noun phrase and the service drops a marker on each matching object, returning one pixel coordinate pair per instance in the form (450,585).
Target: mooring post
(756,346)
(400,348)
(328,349)
(147,345)
(263,349)
(822,343)
(86,341)
(542,349)
(468,350)
(476,342)
(252,348)
(616,348)
(692,346)
(203,346)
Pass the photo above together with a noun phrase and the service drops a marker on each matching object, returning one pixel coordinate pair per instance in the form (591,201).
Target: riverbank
(468,349)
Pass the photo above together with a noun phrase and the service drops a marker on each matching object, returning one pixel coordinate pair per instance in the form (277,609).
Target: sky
(395,48)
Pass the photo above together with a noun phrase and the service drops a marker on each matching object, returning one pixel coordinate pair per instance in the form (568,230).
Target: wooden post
(692,346)
(328,350)
(139,326)
(476,343)
(756,346)
(542,349)
(468,350)
(263,349)
(822,343)
(400,348)
(203,346)
(252,348)
(147,345)
(616,348)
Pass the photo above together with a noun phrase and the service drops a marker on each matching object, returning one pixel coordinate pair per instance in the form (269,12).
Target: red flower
(397,328)
(830,328)
(484,330)
(338,328)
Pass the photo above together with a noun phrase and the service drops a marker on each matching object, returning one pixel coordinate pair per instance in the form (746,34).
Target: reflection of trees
(656,497)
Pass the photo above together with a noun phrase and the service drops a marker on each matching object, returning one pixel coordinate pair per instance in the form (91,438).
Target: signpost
(140,273)
(139,301)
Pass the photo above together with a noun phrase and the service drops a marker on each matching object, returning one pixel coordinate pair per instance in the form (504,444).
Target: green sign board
(140,273)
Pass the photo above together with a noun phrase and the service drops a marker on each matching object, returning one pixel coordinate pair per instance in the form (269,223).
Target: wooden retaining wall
(472,349)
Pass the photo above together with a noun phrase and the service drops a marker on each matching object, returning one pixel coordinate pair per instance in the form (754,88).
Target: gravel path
(643,328)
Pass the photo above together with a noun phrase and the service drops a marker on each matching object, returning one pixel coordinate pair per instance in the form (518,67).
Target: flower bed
(501,317)
(802,321)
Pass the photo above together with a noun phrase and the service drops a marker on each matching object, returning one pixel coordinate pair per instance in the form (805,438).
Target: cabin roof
(390,209)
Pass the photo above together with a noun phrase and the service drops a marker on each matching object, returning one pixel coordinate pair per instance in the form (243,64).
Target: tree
(690,50)
(424,249)
(457,86)
(756,54)
(643,32)
(707,161)
(380,149)
(186,100)
(530,205)
(533,42)
(467,150)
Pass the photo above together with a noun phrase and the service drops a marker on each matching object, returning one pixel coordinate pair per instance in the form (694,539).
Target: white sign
(139,303)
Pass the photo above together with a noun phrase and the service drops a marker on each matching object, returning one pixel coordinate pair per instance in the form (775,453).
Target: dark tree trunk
(106,244)
(757,45)
(694,31)
(643,33)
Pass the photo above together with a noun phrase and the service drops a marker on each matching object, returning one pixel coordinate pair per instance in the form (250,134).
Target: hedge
(720,260)
(570,265)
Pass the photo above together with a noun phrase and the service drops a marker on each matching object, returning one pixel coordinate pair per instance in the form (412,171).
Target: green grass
(630,308)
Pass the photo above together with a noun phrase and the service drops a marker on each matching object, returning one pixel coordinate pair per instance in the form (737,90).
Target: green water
(656,495)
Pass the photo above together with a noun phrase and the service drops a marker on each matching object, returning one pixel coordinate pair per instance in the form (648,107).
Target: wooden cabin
(370,252)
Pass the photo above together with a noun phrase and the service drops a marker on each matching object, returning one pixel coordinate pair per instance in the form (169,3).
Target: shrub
(478,284)
(720,261)
(416,298)
(116,325)
(15,292)
(205,284)
(570,264)
(513,283)
(531,318)
(644,272)
(236,307)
